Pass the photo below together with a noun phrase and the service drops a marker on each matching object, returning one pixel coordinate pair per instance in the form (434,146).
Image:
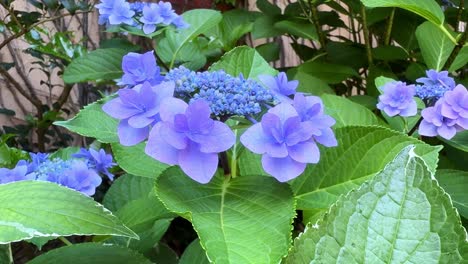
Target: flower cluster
(447,104)
(225,94)
(140,68)
(280,86)
(148,16)
(288,134)
(80,174)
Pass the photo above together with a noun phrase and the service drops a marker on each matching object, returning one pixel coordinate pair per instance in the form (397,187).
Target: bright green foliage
(361,153)
(347,113)
(327,72)
(91,253)
(93,122)
(459,141)
(436,47)
(455,183)
(242,220)
(125,189)
(43,209)
(399,216)
(194,254)
(100,64)
(429,9)
(243,60)
(135,161)
(461,60)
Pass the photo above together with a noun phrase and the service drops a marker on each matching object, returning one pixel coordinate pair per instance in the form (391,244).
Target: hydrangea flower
(105,9)
(18,173)
(140,68)
(397,99)
(430,92)
(98,160)
(36,160)
(188,137)
(285,142)
(138,6)
(166,12)
(435,85)
(115,12)
(280,86)
(226,95)
(455,105)
(138,110)
(151,17)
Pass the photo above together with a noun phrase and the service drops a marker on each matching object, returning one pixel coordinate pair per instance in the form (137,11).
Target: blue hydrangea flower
(455,105)
(188,137)
(140,68)
(36,160)
(151,17)
(431,92)
(285,142)
(138,6)
(437,78)
(138,110)
(180,23)
(281,88)
(18,173)
(166,12)
(115,12)
(98,160)
(226,95)
(105,10)
(397,99)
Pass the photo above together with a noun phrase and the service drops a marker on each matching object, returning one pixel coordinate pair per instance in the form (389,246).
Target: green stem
(446,32)
(234,159)
(388,31)
(65,241)
(318,27)
(366,36)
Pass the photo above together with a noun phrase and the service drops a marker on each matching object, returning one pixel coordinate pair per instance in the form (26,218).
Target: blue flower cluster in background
(446,111)
(80,173)
(144,15)
(227,95)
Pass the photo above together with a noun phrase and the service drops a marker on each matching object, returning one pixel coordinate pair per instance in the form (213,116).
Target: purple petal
(305,152)
(283,169)
(276,150)
(130,136)
(173,138)
(269,82)
(140,121)
(412,109)
(271,125)
(198,116)
(219,139)
(159,149)
(255,139)
(446,132)
(327,138)
(171,107)
(149,28)
(427,129)
(302,132)
(283,111)
(164,91)
(119,110)
(199,166)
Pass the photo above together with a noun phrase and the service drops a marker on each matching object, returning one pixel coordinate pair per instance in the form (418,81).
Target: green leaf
(361,153)
(43,209)
(389,53)
(329,73)
(347,112)
(135,161)
(310,84)
(400,216)
(245,219)
(91,253)
(435,45)
(455,183)
(381,81)
(64,153)
(459,141)
(93,122)
(302,29)
(6,254)
(100,64)
(194,254)
(125,189)
(243,60)
(263,27)
(268,8)
(269,51)
(200,20)
(429,9)
(461,60)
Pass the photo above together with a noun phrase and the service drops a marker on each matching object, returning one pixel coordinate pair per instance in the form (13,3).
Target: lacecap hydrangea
(80,174)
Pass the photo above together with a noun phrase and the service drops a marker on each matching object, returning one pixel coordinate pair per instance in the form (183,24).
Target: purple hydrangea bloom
(280,86)
(18,173)
(188,137)
(121,13)
(98,160)
(105,10)
(36,160)
(138,109)
(455,105)
(166,12)
(397,99)
(286,142)
(151,17)
(437,78)
(138,6)
(140,68)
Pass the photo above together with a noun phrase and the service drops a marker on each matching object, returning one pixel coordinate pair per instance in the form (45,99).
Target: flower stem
(411,132)
(65,241)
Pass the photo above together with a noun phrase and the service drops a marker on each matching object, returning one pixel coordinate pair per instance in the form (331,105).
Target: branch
(367,39)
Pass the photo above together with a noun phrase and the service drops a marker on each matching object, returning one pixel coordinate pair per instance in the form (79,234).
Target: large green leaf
(242,220)
(361,153)
(100,64)
(455,183)
(43,209)
(327,72)
(347,112)
(243,60)
(200,20)
(91,253)
(135,161)
(459,141)
(461,60)
(310,84)
(194,254)
(302,29)
(93,122)
(400,216)
(435,46)
(429,9)
(125,189)
(6,254)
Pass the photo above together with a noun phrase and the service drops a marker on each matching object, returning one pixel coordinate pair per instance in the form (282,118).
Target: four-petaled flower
(98,160)
(397,99)
(140,68)
(188,137)
(138,110)
(286,142)
(151,17)
(280,86)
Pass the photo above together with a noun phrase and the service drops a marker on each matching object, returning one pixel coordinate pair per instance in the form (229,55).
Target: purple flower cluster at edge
(397,99)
